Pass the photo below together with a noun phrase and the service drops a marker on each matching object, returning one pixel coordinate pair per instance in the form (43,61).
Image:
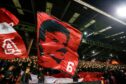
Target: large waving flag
(11,43)
(58,44)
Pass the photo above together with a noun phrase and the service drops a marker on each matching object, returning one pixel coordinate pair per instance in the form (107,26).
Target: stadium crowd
(20,71)
(17,70)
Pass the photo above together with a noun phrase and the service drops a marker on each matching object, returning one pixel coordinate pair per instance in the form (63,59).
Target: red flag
(11,44)
(58,44)
(6,16)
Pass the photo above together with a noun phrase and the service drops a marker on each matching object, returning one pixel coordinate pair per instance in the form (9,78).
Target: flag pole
(30,45)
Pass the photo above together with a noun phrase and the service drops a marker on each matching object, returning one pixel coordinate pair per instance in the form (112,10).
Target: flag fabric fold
(7,16)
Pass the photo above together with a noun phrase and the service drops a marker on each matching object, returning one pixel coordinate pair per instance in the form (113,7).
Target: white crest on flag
(5,28)
(10,47)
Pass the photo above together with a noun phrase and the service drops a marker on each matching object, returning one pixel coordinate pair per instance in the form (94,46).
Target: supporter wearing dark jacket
(8,76)
(26,76)
(40,76)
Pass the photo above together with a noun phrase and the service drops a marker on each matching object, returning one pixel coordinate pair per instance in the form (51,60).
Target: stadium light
(121,11)
(85,33)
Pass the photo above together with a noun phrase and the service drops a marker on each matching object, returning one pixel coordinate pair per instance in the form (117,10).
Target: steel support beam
(99,11)
(65,10)
(104,45)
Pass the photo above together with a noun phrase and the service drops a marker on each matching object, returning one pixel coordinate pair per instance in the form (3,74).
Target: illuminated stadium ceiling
(104,38)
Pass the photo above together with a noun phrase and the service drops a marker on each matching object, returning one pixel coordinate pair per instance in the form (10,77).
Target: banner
(11,44)
(6,16)
(58,43)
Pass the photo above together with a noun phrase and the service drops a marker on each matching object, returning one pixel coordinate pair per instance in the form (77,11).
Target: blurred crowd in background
(20,71)
(11,70)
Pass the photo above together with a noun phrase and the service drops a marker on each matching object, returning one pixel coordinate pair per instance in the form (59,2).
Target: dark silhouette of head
(53,26)
(61,35)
